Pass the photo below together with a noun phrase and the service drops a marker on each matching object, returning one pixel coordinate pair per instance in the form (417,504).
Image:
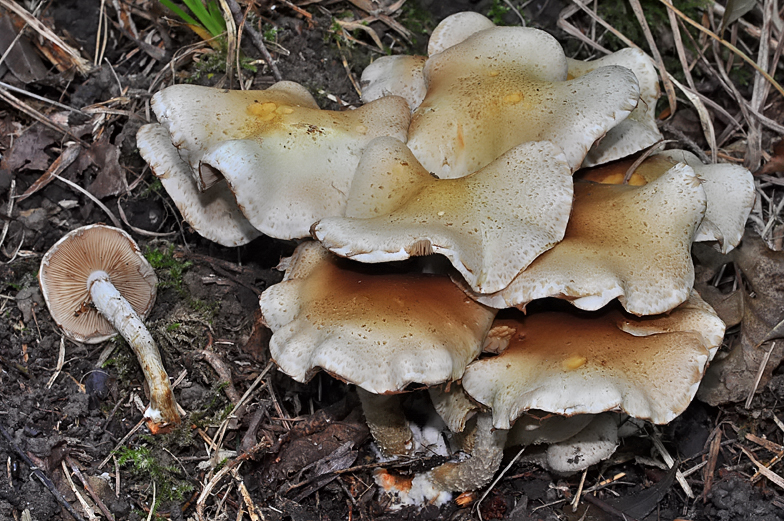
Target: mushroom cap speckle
(575,363)
(66,267)
(638,131)
(214,214)
(627,242)
(505,86)
(378,331)
(490,225)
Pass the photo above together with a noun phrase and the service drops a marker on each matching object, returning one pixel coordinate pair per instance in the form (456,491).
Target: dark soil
(208,301)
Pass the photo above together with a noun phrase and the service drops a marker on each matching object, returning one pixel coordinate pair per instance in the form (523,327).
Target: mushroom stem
(485,446)
(162,411)
(387,422)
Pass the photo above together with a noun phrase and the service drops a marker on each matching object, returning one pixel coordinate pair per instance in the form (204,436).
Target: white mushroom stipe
(112,305)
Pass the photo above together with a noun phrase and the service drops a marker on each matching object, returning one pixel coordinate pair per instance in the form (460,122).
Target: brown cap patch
(379,331)
(575,363)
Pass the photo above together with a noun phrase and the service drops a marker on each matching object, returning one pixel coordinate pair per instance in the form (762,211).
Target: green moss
(123,361)
(168,268)
(216,409)
(419,22)
(498,11)
(154,188)
(145,464)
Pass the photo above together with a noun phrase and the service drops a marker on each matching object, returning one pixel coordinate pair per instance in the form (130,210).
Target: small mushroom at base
(96,283)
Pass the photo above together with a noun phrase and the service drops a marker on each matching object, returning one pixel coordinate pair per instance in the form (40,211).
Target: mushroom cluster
(506,158)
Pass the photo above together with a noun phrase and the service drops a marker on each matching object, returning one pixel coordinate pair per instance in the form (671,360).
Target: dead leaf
(111,179)
(305,451)
(29,150)
(707,263)
(258,342)
(22,59)
(730,377)
(633,506)
(734,10)
(776,163)
(65,159)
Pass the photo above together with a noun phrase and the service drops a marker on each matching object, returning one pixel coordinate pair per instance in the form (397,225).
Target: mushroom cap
(67,265)
(490,225)
(452,405)
(214,214)
(199,118)
(398,75)
(505,86)
(298,168)
(576,363)
(638,131)
(378,331)
(456,28)
(403,75)
(729,190)
(625,242)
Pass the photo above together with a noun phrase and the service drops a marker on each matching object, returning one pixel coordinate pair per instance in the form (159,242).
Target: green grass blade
(188,19)
(204,17)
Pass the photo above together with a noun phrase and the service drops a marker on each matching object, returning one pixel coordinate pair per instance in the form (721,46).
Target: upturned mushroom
(214,214)
(378,331)
(625,242)
(96,284)
(490,224)
(287,162)
(508,85)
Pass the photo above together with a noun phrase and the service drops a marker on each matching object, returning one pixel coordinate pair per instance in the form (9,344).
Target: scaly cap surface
(625,242)
(198,118)
(505,86)
(298,168)
(638,131)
